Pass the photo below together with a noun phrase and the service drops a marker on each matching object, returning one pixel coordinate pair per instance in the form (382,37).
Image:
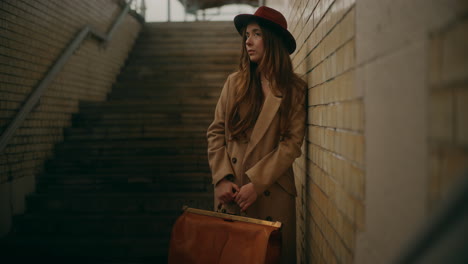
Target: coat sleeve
(218,156)
(272,166)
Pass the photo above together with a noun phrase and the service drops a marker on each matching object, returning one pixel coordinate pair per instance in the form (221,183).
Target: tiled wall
(33,35)
(448,107)
(330,174)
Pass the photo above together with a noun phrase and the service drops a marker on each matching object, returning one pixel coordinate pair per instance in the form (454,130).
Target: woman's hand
(246,196)
(226,191)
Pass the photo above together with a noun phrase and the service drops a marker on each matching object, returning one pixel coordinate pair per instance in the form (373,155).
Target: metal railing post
(185,10)
(169,10)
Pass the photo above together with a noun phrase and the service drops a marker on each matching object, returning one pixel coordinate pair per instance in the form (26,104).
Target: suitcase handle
(232,217)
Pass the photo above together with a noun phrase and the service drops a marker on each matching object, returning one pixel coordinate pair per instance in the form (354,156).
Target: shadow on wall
(443,239)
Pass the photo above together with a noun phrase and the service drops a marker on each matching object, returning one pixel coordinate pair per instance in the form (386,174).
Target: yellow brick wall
(330,173)
(448,108)
(32,36)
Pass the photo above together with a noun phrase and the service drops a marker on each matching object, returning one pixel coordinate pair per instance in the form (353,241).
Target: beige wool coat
(265,160)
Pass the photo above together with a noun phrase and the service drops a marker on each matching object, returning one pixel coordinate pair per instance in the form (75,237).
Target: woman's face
(254,42)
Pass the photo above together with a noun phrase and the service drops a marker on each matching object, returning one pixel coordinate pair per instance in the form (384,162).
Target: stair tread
(171,195)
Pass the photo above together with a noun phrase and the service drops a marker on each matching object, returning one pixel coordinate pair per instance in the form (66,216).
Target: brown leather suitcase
(200,236)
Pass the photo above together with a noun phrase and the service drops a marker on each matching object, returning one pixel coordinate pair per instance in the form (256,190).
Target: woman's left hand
(246,196)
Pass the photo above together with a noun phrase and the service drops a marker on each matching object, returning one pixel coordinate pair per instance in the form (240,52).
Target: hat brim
(241,21)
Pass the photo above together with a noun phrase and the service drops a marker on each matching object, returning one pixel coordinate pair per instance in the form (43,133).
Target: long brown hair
(277,67)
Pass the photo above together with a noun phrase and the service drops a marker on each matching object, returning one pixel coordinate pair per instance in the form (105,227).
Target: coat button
(268,218)
(266,193)
(234,160)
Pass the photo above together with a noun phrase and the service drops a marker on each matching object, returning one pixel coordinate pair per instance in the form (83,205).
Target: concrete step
(86,249)
(184,27)
(156,160)
(140,184)
(153,135)
(150,40)
(184,38)
(143,132)
(179,67)
(187,33)
(101,161)
(144,106)
(147,116)
(125,187)
(129,183)
(202,116)
(80,150)
(160,97)
(187,52)
(110,170)
(161,94)
(121,202)
(199,76)
(137,122)
(165,84)
(121,177)
(133,147)
(79,225)
(133,187)
(228,59)
(184,44)
(161,82)
(145,129)
(137,164)
(177,92)
(189,25)
(143,177)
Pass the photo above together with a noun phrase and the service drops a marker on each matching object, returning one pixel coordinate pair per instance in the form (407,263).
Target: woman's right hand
(226,191)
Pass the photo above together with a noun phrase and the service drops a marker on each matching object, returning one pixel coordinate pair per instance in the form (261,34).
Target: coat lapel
(268,112)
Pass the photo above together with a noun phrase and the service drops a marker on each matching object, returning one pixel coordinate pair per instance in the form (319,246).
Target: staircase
(128,165)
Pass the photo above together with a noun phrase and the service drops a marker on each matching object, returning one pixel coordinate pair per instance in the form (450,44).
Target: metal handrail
(140,7)
(34,97)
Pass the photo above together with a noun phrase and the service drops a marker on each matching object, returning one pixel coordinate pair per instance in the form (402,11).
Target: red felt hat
(273,20)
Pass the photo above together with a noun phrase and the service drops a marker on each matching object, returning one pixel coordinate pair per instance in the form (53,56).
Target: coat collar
(268,112)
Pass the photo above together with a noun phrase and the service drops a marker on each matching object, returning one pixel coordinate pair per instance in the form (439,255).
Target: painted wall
(33,34)
(404,51)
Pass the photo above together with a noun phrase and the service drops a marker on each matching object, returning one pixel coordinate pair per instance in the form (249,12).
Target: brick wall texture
(330,173)
(33,35)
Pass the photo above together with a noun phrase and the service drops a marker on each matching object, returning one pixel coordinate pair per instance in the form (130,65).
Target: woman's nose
(248,41)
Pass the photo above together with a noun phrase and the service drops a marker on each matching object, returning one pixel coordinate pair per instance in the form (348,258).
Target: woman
(259,126)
